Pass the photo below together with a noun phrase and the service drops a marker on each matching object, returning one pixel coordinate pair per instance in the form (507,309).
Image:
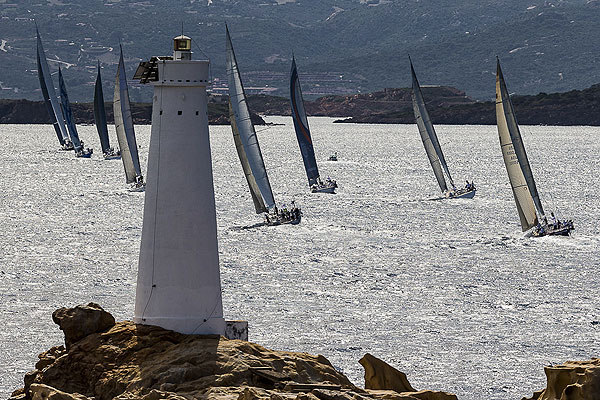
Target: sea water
(449,292)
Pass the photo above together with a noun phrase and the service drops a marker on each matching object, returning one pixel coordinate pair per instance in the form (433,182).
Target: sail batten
(49,94)
(508,131)
(68,113)
(428,135)
(124,125)
(100,113)
(245,128)
(301,127)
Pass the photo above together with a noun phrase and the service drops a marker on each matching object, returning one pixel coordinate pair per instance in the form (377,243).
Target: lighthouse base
(189,326)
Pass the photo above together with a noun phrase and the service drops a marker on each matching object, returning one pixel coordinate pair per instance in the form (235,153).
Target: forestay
(66,106)
(239,105)
(100,113)
(259,205)
(510,139)
(124,125)
(50,99)
(301,127)
(428,135)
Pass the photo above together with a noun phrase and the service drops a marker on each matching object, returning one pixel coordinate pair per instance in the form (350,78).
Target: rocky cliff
(104,359)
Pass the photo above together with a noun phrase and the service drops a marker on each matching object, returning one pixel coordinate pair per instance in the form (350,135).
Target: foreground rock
(107,360)
(573,380)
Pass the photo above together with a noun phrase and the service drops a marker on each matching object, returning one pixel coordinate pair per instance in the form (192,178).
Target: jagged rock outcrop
(573,380)
(81,321)
(106,360)
(385,382)
(380,375)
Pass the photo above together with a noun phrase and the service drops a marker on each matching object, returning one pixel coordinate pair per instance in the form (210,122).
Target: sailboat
(519,170)
(246,143)
(78,145)
(100,119)
(432,146)
(125,131)
(50,98)
(304,138)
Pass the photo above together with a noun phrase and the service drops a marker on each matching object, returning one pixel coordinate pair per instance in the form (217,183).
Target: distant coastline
(34,112)
(446,105)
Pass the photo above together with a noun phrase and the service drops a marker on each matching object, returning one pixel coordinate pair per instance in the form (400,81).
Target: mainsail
(100,113)
(259,204)
(50,99)
(245,128)
(515,158)
(428,135)
(66,106)
(124,125)
(301,127)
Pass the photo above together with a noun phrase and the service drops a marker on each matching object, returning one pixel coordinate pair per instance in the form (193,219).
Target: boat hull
(324,189)
(562,228)
(464,195)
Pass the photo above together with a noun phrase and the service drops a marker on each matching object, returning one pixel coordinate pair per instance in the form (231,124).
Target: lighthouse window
(196,112)
(179,112)
(160,112)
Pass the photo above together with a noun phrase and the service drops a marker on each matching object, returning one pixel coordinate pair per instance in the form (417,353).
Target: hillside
(341,46)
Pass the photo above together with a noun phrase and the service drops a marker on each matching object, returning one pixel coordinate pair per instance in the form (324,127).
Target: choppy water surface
(449,292)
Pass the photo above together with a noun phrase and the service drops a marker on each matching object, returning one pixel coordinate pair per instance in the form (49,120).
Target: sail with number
(515,158)
(428,135)
(68,113)
(259,204)
(245,128)
(301,127)
(49,93)
(124,125)
(100,113)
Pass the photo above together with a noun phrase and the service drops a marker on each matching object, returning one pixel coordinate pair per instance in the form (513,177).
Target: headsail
(124,125)
(301,127)
(69,119)
(514,156)
(239,105)
(428,135)
(100,113)
(54,110)
(517,141)
(259,204)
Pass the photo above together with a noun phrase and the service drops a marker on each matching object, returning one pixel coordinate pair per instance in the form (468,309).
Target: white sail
(428,135)
(46,82)
(508,130)
(245,127)
(259,205)
(124,125)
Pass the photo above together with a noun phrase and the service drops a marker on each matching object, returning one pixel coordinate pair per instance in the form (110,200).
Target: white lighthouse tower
(179,286)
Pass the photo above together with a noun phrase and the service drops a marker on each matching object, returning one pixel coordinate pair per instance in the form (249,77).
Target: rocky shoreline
(34,112)
(446,105)
(103,359)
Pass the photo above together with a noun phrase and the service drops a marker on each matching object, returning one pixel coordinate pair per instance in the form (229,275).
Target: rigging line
(152,285)
(211,313)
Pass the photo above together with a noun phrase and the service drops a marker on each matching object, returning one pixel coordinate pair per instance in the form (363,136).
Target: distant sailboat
(50,98)
(432,145)
(304,138)
(519,170)
(125,131)
(248,149)
(78,145)
(100,119)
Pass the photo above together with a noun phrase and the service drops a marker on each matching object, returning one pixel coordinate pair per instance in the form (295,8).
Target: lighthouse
(178,285)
